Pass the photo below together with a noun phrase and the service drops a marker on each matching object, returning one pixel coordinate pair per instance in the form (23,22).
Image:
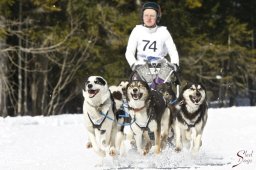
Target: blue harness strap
(172,102)
(120,124)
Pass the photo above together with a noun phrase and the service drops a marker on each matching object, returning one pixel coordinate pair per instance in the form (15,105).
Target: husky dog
(191,117)
(118,93)
(167,92)
(122,85)
(122,116)
(98,112)
(170,98)
(148,110)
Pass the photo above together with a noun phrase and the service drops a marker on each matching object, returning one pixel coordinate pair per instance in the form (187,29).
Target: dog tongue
(196,99)
(135,96)
(91,91)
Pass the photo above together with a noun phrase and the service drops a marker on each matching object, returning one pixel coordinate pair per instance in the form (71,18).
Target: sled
(157,71)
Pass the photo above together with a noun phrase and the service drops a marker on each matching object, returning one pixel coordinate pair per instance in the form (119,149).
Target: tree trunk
(44,99)
(20,65)
(3,82)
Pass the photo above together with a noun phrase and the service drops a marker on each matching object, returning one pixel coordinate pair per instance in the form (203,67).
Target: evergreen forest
(49,47)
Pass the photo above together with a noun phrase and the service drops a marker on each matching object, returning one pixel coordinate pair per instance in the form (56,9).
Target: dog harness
(98,123)
(144,128)
(186,114)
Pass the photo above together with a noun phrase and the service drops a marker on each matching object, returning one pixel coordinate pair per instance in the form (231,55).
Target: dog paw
(148,146)
(194,153)
(101,153)
(177,149)
(145,152)
(112,151)
(157,149)
(89,145)
(142,152)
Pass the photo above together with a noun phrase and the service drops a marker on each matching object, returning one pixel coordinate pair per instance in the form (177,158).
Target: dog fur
(118,93)
(97,104)
(122,116)
(191,117)
(149,112)
(170,99)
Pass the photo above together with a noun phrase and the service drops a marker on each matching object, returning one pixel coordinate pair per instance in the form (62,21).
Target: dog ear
(202,85)
(102,81)
(117,95)
(186,86)
(169,84)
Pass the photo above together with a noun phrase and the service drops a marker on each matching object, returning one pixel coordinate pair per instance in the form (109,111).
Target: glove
(174,67)
(136,65)
(176,72)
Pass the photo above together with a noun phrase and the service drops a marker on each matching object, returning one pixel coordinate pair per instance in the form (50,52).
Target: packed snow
(59,143)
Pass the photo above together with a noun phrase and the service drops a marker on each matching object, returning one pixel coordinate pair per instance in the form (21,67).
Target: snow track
(58,143)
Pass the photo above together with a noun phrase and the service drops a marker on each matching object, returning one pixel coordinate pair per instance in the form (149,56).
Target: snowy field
(58,143)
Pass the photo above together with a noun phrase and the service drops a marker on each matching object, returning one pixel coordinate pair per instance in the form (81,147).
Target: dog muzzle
(93,93)
(195,99)
(136,96)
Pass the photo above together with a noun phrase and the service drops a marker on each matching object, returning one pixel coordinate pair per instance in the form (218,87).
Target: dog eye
(96,82)
(191,88)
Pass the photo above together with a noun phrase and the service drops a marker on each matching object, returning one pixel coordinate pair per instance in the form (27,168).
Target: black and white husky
(191,117)
(149,113)
(119,93)
(99,116)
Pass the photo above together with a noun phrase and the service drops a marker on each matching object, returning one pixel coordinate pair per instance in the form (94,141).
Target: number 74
(152,45)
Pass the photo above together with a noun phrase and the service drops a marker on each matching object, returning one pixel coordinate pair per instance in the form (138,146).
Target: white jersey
(156,42)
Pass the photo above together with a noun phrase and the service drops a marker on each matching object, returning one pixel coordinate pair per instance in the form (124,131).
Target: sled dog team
(131,112)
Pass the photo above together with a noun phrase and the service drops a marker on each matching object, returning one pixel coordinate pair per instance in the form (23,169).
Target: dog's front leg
(106,142)
(138,139)
(156,128)
(197,142)
(89,143)
(95,146)
(157,134)
(165,123)
(177,133)
(119,142)
(147,141)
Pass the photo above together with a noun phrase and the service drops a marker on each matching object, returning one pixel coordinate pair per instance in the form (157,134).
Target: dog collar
(97,107)
(137,109)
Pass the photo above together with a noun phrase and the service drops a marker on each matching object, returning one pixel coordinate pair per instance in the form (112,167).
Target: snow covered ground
(58,143)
